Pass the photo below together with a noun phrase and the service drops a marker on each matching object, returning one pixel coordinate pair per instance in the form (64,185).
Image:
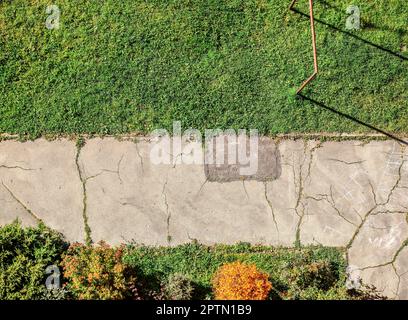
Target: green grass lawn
(135,65)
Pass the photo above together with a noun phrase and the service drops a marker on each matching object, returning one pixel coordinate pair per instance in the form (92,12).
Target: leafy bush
(318,274)
(321,280)
(177,287)
(25,253)
(97,272)
(239,281)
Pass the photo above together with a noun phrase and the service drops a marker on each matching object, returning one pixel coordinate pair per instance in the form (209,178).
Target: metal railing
(315,64)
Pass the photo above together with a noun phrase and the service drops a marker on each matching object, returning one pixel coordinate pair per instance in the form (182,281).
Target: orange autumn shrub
(97,272)
(240,281)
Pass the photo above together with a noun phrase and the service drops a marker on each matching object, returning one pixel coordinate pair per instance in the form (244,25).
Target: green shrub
(320,275)
(97,272)
(24,255)
(177,287)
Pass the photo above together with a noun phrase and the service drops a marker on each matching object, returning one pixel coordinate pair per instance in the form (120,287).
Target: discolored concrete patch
(262,163)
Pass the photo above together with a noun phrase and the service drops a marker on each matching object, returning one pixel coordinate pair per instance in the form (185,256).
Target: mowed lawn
(136,65)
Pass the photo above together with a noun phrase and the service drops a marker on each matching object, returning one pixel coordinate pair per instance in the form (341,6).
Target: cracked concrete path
(38,181)
(348,194)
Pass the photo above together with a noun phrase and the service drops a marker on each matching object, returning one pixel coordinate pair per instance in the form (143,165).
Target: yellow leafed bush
(97,272)
(240,281)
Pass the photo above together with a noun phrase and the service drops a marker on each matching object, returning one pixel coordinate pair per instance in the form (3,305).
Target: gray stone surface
(349,194)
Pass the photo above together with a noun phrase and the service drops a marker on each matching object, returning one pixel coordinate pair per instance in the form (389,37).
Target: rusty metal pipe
(315,61)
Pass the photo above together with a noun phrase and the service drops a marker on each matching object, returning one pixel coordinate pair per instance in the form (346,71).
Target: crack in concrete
(312,154)
(299,188)
(140,156)
(330,200)
(359,227)
(395,186)
(118,168)
(30,212)
(345,162)
(202,186)
(117,171)
(83,180)
(17,167)
(168,212)
(389,212)
(399,281)
(175,159)
(373,193)
(128,204)
(393,260)
(245,189)
(334,206)
(269,202)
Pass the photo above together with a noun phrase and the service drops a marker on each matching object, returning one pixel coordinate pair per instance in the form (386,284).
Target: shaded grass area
(135,65)
(199,263)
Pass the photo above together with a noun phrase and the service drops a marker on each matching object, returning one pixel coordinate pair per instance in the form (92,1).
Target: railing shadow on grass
(368,25)
(351,118)
(396,54)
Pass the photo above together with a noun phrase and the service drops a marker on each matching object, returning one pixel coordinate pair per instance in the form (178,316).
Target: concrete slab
(124,193)
(351,194)
(40,178)
(379,239)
